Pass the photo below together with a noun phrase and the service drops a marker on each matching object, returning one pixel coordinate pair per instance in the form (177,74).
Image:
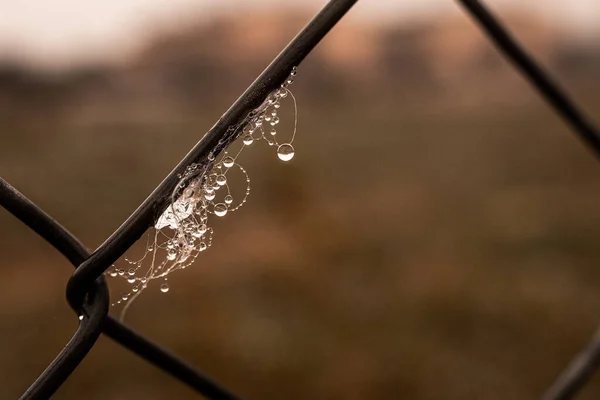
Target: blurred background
(437,235)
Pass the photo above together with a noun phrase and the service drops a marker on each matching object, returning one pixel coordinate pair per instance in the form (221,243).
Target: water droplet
(135,289)
(220,210)
(131,280)
(188,192)
(228,162)
(81,317)
(113,273)
(248,140)
(171,254)
(210,196)
(274,121)
(283,94)
(150,248)
(121,272)
(267,118)
(203,228)
(125,297)
(164,288)
(221,180)
(285,152)
(277,105)
(273,132)
(202,246)
(131,272)
(228,199)
(211,156)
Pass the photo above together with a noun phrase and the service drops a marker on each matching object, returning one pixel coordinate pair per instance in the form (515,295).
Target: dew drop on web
(285,152)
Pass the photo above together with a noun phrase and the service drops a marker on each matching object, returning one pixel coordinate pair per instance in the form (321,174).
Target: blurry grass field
(423,254)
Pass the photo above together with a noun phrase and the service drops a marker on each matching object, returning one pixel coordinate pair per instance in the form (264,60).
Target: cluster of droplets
(182,232)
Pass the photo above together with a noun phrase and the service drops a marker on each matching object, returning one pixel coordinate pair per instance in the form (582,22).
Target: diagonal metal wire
(535,74)
(580,370)
(577,374)
(213,142)
(93,322)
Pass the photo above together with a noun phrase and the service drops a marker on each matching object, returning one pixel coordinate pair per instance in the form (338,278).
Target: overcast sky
(63,31)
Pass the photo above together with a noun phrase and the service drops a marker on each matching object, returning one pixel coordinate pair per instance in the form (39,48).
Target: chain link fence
(87,291)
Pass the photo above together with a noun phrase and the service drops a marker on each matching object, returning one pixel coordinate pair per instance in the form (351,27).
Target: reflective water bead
(221,180)
(202,246)
(228,199)
(121,272)
(277,105)
(274,121)
(164,287)
(210,196)
(285,152)
(273,132)
(131,280)
(248,140)
(228,162)
(135,289)
(131,271)
(171,254)
(113,273)
(197,233)
(268,118)
(220,210)
(211,156)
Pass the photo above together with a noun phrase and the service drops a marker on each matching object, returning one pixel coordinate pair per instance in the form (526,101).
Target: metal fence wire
(87,292)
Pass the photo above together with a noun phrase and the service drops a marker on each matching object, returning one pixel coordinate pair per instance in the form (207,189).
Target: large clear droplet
(220,210)
(164,287)
(248,140)
(113,273)
(171,254)
(209,196)
(221,180)
(228,162)
(228,199)
(285,152)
